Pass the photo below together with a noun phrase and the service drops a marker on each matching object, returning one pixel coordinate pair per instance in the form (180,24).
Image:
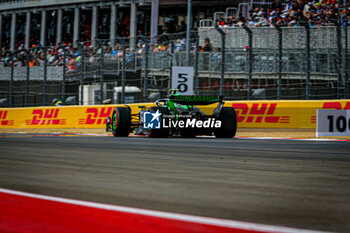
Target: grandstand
(52,22)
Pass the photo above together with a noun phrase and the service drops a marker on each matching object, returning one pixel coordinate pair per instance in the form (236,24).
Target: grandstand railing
(13,1)
(323,62)
(267,37)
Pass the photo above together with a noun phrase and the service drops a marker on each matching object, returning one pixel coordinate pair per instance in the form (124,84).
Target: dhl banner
(282,114)
(250,114)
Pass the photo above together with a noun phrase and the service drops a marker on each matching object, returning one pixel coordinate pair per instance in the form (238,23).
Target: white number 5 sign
(182,79)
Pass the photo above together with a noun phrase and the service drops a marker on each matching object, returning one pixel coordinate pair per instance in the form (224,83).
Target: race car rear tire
(121,122)
(159,133)
(228,123)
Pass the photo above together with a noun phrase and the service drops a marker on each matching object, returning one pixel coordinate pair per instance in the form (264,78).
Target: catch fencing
(252,63)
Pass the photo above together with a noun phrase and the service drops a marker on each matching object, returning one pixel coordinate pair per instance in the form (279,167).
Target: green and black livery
(122,122)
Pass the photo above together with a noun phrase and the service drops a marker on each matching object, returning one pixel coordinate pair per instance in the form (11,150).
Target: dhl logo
(332,105)
(3,121)
(96,116)
(259,113)
(45,117)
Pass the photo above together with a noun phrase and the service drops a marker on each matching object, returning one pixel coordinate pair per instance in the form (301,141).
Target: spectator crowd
(72,57)
(290,13)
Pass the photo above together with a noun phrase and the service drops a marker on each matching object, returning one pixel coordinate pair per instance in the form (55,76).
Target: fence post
(27,79)
(223,47)
(188,35)
(82,70)
(308,60)
(101,68)
(196,63)
(123,73)
(250,59)
(45,75)
(346,60)
(280,51)
(11,79)
(121,40)
(339,61)
(102,74)
(63,94)
(145,81)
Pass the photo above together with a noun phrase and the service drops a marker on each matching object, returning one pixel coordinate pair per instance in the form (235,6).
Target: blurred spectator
(179,46)
(57,102)
(182,27)
(6,60)
(207,46)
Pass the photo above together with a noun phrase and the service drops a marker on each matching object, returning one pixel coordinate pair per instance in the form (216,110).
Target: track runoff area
(46,164)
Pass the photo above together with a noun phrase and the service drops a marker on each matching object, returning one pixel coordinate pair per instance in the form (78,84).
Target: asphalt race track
(302,184)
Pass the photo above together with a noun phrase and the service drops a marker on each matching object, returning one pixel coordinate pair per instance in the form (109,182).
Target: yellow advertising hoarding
(250,114)
(282,114)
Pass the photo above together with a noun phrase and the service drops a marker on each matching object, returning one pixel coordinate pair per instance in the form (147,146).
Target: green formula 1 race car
(176,115)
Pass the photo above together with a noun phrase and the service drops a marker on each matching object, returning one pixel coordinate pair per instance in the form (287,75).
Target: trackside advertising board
(283,114)
(333,123)
(250,114)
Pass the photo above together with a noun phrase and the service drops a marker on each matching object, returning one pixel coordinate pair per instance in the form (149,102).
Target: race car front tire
(121,122)
(159,133)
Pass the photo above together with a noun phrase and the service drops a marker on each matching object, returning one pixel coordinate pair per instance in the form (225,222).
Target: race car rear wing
(196,99)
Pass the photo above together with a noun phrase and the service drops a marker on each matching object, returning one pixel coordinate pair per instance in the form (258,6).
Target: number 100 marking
(341,123)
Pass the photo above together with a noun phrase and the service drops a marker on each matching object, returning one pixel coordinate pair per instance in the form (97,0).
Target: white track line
(208,137)
(160,214)
(256,138)
(296,139)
